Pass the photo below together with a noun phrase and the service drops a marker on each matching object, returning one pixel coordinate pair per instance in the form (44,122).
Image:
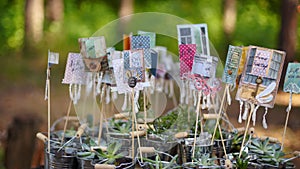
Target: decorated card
(152,36)
(194,34)
(260,78)
(234,55)
(93,47)
(186,58)
(205,65)
(134,65)
(142,42)
(154,56)
(93,51)
(261,62)
(74,72)
(118,65)
(292,79)
(53,58)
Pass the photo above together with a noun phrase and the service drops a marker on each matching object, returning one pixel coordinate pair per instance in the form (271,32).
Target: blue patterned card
(152,36)
(142,42)
(292,78)
(234,55)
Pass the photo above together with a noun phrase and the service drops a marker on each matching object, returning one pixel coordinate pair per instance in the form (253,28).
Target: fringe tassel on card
(171,89)
(136,102)
(228,95)
(241,109)
(114,96)
(99,81)
(203,102)
(195,97)
(208,101)
(107,98)
(152,82)
(246,111)
(254,114)
(182,93)
(124,107)
(264,122)
(89,83)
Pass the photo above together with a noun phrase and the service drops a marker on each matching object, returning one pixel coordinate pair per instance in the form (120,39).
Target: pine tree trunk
(20,142)
(229,18)
(34,20)
(288,32)
(126,8)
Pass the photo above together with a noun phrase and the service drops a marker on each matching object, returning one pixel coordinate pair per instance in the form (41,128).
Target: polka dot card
(186,58)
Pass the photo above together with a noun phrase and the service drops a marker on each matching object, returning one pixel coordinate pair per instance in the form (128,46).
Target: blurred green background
(25,37)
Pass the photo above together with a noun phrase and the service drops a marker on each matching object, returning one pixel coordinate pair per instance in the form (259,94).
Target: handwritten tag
(234,55)
(261,62)
(292,78)
(204,65)
(74,72)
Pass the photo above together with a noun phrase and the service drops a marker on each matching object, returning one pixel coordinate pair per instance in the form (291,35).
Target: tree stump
(21,141)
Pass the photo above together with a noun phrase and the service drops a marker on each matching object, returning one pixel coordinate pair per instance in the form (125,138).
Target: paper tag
(74,72)
(142,42)
(118,65)
(53,58)
(204,65)
(186,58)
(234,55)
(110,54)
(93,47)
(255,79)
(154,56)
(134,65)
(261,62)
(194,34)
(292,78)
(152,36)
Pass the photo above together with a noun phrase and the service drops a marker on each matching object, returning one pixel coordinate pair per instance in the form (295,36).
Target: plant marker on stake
(291,85)
(53,58)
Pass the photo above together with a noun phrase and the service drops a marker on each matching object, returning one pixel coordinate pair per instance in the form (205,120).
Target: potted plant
(157,163)
(113,158)
(85,155)
(218,145)
(203,162)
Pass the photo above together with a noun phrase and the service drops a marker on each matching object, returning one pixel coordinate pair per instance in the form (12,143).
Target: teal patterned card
(234,55)
(292,78)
